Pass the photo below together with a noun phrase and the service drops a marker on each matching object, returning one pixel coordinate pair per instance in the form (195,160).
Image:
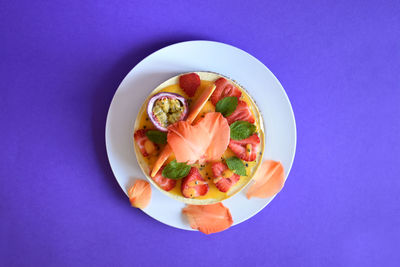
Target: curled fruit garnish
(269,180)
(205,141)
(140,194)
(208,218)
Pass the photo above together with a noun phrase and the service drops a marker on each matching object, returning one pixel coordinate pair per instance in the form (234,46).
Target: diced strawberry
(246,149)
(165,183)
(146,146)
(223,183)
(189,83)
(218,168)
(141,139)
(194,185)
(223,89)
(241,113)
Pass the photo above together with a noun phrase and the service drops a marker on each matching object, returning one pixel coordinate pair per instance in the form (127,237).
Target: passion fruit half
(165,109)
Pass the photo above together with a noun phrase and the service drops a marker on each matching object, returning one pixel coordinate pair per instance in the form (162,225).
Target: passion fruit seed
(167,111)
(166,108)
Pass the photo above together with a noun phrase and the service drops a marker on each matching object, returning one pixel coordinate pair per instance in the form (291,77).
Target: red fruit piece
(223,89)
(194,185)
(242,113)
(220,171)
(246,149)
(146,146)
(165,183)
(189,83)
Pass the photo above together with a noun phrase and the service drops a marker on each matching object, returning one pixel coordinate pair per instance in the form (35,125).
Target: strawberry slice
(246,149)
(224,178)
(242,113)
(189,83)
(194,185)
(146,146)
(164,182)
(223,89)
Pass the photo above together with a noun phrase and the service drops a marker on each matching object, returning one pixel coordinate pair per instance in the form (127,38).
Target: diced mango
(149,147)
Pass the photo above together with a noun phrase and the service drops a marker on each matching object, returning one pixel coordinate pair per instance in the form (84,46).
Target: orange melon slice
(205,141)
(200,102)
(269,180)
(208,219)
(162,158)
(218,130)
(140,194)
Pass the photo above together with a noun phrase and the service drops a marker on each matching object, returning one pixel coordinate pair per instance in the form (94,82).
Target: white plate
(262,85)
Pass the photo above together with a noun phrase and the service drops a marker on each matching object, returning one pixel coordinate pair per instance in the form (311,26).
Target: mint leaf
(157,136)
(227,105)
(236,165)
(176,170)
(241,130)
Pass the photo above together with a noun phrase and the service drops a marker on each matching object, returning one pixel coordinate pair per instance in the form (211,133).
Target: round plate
(262,85)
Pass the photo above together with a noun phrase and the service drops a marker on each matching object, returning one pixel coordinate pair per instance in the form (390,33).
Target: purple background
(62,61)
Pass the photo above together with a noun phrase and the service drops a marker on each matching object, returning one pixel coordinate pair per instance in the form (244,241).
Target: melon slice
(269,180)
(200,102)
(208,219)
(140,194)
(205,141)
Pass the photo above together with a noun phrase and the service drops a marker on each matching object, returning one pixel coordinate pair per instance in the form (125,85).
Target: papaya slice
(162,158)
(218,130)
(269,180)
(140,194)
(208,219)
(207,140)
(199,103)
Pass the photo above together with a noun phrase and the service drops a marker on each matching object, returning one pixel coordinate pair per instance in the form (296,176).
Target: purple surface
(61,63)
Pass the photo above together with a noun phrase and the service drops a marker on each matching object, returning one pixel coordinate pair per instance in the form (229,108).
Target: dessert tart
(199,138)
